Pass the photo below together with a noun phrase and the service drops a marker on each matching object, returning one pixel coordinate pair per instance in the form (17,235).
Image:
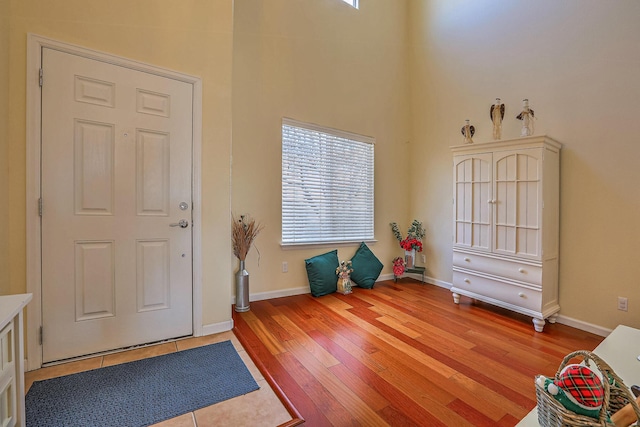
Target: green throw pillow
(366,267)
(321,271)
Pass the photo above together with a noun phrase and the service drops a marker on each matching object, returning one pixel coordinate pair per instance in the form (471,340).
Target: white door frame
(35,44)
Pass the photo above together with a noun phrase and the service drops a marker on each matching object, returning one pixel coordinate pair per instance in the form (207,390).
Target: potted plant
(398,266)
(412,243)
(243,232)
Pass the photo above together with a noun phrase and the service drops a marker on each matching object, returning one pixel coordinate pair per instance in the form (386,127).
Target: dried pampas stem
(243,233)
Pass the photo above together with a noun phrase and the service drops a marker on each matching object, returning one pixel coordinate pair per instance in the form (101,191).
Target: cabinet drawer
(505,292)
(513,270)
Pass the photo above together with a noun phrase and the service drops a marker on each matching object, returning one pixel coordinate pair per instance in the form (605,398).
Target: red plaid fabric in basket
(584,387)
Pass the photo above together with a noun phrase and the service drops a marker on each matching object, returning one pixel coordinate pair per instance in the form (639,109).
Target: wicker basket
(551,413)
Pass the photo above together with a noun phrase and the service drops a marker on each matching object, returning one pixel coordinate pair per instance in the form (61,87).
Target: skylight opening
(353,3)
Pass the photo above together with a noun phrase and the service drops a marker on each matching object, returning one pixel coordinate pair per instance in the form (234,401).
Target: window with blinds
(327,185)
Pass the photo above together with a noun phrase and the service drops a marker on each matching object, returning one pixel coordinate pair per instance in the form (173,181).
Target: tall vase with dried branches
(244,230)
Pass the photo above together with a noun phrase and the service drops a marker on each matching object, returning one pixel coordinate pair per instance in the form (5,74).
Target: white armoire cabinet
(505,225)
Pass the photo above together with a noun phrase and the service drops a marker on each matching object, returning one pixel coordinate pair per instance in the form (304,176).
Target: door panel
(94,280)
(94,150)
(153,280)
(152,173)
(472,187)
(518,189)
(116,164)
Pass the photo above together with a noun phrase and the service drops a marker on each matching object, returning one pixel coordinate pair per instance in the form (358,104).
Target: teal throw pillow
(321,271)
(366,267)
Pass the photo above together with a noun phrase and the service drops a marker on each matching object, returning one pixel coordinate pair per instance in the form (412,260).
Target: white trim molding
(35,44)
(261,296)
(585,326)
(565,320)
(276,294)
(216,328)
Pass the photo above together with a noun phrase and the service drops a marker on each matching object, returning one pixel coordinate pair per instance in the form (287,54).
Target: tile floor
(259,408)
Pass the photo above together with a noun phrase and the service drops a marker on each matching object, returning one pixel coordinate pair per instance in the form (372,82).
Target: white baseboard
(585,326)
(427,279)
(279,294)
(261,296)
(216,328)
(565,320)
(305,289)
(433,281)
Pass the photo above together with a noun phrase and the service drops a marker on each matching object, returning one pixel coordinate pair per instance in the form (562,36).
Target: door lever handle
(183,223)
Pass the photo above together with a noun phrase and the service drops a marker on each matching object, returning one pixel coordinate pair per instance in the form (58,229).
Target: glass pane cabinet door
(517,203)
(472,196)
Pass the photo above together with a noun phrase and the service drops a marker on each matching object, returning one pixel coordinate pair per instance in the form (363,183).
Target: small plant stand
(418,270)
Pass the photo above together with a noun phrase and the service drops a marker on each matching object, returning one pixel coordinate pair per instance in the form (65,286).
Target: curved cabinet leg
(538,324)
(456,298)
(552,318)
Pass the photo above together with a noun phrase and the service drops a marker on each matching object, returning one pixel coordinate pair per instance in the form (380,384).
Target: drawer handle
(521,270)
(522,295)
(467,259)
(467,280)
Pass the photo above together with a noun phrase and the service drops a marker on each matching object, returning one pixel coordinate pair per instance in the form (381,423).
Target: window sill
(296,246)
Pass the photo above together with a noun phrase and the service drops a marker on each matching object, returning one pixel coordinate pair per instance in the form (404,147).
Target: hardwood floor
(403,354)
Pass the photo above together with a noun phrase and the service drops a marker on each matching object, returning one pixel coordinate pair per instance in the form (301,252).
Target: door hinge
(40,336)
(40,74)
(40,206)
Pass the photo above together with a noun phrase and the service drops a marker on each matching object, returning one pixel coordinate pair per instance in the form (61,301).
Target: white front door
(116,181)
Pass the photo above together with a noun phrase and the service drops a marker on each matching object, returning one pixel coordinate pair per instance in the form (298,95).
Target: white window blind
(327,184)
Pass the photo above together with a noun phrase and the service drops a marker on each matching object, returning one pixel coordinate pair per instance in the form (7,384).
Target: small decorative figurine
(497,114)
(527,118)
(468,131)
(344,271)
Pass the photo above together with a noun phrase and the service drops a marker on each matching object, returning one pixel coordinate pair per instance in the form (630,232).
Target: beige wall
(363,71)
(578,62)
(4,145)
(326,63)
(190,36)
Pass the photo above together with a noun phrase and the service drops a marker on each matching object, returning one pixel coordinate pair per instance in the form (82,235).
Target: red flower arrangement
(398,266)
(409,244)
(415,234)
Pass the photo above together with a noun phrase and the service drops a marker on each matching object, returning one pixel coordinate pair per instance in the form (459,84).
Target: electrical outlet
(424,258)
(285,266)
(622,303)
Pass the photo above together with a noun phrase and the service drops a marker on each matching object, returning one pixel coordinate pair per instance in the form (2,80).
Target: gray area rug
(140,393)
